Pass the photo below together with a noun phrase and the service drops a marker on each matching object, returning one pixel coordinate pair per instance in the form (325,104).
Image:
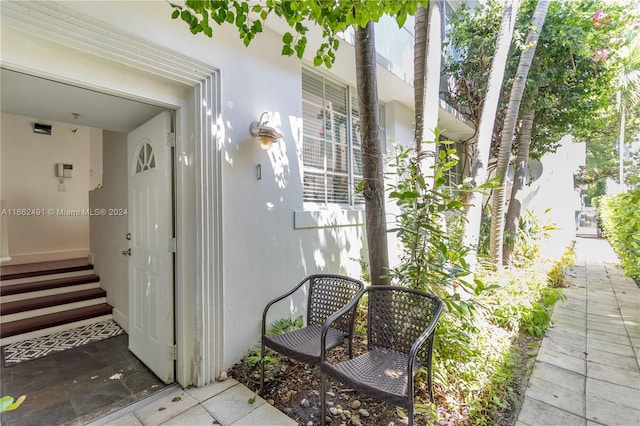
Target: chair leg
(260,392)
(323,396)
(410,413)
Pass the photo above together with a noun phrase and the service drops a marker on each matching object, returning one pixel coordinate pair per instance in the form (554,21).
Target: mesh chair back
(398,317)
(327,295)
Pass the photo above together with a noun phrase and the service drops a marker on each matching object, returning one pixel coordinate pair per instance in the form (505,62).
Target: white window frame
(354,201)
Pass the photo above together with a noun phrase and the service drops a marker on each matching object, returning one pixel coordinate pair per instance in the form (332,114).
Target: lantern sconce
(265,134)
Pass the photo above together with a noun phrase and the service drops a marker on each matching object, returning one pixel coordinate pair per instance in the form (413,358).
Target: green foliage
(7,403)
(429,227)
(474,363)
(556,275)
(284,325)
(620,216)
(272,360)
(332,18)
(575,67)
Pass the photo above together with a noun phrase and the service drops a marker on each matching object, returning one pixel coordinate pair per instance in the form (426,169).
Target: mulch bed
(294,390)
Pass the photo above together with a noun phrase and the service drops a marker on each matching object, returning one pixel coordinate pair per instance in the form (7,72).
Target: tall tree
(628,93)
(332,18)
(509,130)
(427,64)
(479,166)
(372,164)
(570,84)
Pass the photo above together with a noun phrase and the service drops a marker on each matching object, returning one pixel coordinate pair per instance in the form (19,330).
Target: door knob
(126,252)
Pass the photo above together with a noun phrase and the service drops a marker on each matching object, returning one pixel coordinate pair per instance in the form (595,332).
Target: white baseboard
(121,319)
(19,259)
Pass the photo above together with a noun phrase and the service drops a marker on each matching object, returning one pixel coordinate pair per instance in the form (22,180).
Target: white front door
(151,323)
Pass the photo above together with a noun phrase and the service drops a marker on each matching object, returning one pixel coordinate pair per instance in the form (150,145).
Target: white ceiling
(48,100)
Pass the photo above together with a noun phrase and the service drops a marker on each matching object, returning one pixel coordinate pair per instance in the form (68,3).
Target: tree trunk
(419,72)
(427,64)
(522,159)
(509,130)
(372,165)
(485,130)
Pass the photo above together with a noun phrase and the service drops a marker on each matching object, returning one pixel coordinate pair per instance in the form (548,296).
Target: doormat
(28,350)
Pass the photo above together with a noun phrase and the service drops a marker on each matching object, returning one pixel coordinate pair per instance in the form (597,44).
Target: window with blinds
(332,147)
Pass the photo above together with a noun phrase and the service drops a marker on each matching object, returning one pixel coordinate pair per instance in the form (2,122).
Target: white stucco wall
(29,182)
(554,190)
(108,232)
(264,252)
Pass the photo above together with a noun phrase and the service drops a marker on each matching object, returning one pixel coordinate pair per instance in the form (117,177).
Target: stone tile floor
(77,385)
(220,403)
(587,370)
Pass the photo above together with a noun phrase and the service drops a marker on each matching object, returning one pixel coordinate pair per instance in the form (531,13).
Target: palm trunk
(522,159)
(372,165)
(509,130)
(427,64)
(485,130)
(419,71)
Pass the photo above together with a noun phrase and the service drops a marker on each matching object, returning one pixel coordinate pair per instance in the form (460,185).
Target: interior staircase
(45,298)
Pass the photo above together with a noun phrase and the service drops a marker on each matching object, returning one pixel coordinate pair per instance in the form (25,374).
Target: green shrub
(620,218)
(474,362)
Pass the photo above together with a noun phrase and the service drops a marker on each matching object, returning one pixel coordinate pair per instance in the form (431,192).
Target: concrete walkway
(220,403)
(587,370)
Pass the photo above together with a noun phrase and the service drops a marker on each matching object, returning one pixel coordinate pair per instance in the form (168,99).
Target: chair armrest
(423,337)
(277,299)
(333,318)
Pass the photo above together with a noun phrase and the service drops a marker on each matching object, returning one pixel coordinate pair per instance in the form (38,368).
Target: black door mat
(38,347)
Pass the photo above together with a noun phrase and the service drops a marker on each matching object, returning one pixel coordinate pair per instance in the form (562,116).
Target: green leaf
(317,61)
(287,38)
(175,14)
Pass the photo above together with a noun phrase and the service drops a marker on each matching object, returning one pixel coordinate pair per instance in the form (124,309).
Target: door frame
(96,58)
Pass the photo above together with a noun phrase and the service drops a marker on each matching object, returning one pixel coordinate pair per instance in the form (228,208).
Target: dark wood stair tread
(7,290)
(8,308)
(30,274)
(51,320)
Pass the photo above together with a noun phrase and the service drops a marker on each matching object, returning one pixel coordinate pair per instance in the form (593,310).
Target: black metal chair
(400,333)
(327,295)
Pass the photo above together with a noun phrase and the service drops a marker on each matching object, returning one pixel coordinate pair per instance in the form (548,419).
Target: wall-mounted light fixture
(265,134)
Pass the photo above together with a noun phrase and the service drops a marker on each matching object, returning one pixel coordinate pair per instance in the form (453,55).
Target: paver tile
(193,416)
(611,413)
(573,381)
(536,413)
(265,415)
(556,396)
(205,392)
(127,420)
(564,337)
(232,404)
(165,408)
(618,361)
(614,348)
(614,375)
(577,351)
(608,337)
(614,393)
(568,362)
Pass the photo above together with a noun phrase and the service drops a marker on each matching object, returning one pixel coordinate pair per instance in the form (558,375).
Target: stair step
(47,284)
(45,321)
(8,308)
(51,330)
(50,271)
(53,276)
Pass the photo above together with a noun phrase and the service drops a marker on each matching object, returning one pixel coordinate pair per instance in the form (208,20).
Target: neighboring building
(241,225)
